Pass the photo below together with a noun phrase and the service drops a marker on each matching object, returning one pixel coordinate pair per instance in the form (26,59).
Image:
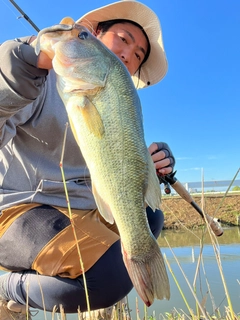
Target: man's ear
(96,32)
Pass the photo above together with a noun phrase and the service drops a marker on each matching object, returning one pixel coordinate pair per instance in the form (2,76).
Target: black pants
(107,281)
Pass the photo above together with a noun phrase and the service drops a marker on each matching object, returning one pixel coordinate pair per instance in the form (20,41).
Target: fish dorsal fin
(67,20)
(103,207)
(153,194)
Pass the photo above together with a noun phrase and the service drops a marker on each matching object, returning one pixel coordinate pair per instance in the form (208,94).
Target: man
(36,237)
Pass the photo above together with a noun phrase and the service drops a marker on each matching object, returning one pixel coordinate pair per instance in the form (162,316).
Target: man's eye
(123,39)
(138,57)
(83,35)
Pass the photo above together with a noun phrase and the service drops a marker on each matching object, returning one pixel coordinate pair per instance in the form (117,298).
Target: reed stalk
(201,313)
(187,281)
(218,258)
(178,285)
(221,202)
(72,222)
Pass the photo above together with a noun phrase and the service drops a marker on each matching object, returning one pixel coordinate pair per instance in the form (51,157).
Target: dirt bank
(179,213)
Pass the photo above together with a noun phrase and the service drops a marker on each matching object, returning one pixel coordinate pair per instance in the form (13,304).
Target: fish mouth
(76,91)
(89,90)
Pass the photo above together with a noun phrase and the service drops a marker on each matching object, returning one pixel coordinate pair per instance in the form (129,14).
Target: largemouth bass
(105,116)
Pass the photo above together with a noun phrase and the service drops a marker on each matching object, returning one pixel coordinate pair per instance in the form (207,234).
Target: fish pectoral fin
(103,207)
(67,20)
(92,118)
(153,192)
(149,275)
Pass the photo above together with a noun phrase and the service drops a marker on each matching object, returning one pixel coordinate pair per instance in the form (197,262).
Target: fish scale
(105,116)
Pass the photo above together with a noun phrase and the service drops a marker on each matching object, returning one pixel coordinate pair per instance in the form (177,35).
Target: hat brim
(155,68)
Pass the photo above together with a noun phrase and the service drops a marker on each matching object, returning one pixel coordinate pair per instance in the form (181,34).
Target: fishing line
(23,15)
(17,17)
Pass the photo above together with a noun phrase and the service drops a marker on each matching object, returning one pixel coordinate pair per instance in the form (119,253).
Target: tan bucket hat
(155,68)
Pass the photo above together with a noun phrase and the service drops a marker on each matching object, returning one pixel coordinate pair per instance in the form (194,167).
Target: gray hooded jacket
(32,125)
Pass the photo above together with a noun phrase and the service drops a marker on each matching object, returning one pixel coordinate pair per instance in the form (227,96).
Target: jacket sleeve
(21,81)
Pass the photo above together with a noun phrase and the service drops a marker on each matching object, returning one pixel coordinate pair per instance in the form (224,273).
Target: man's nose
(124,59)
(126,56)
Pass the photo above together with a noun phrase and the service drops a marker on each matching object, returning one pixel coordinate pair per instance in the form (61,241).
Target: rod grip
(179,188)
(215,225)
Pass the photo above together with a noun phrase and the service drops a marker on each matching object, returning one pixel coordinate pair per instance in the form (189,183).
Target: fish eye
(83,35)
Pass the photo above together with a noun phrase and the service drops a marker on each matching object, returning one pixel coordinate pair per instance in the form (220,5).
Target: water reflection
(186,247)
(182,238)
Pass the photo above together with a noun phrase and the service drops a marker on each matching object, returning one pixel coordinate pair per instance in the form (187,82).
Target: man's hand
(162,157)
(44,62)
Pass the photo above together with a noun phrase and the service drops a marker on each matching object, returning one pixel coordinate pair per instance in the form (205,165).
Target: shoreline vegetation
(180,214)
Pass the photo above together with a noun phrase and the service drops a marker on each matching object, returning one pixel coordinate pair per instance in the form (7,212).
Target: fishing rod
(170,179)
(25,16)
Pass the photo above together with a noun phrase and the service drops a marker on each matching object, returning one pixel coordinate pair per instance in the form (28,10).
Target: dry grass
(178,212)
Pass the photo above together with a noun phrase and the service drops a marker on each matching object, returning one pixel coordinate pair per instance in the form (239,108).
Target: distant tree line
(236,188)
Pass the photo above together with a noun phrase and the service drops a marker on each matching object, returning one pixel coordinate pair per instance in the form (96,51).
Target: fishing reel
(166,187)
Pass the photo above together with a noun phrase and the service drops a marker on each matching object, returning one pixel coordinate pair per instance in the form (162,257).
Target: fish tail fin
(149,275)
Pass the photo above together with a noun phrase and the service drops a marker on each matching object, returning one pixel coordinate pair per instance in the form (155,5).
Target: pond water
(186,246)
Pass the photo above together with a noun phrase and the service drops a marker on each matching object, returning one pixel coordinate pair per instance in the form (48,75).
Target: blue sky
(196,107)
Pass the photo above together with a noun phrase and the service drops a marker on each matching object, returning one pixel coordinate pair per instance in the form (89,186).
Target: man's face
(128,42)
